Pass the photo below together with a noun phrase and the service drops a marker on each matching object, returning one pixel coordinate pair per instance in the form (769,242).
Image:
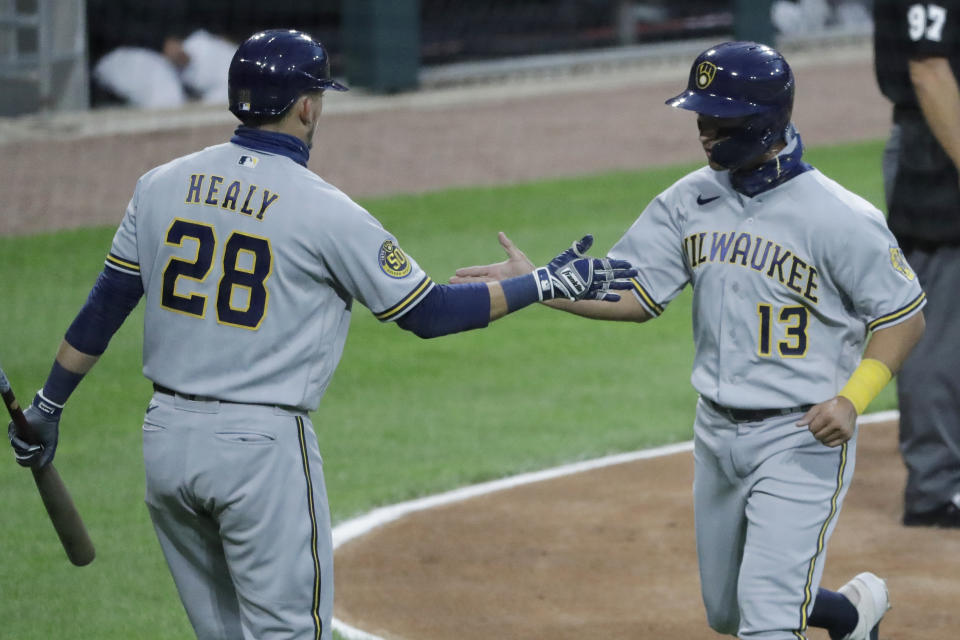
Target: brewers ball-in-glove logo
(393,260)
(899,262)
(706,72)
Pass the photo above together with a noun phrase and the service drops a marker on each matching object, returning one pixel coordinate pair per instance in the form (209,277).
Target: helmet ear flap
(757,135)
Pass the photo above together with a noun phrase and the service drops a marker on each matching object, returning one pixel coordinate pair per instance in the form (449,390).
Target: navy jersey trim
(899,314)
(821,538)
(645,298)
(408,301)
(317,578)
(122,264)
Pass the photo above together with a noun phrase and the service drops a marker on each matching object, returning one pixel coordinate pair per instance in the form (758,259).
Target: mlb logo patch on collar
(248,161)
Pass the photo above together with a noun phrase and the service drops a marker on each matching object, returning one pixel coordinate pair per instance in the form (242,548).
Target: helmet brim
(332,85)
(715,105)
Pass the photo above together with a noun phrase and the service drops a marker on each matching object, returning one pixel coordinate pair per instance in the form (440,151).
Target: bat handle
(20,425)
(56,498)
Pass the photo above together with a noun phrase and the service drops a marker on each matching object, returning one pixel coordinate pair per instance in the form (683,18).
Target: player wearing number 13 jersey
(790,274)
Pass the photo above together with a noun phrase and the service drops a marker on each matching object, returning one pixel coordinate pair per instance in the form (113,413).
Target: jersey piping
(122,264)
(317,580)
(645,298)
(899,314)
(409,301)
(807,588)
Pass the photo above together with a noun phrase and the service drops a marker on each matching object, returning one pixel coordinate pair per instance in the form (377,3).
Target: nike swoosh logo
(702,201)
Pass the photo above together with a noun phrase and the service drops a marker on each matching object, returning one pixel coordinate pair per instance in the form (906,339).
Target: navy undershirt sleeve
(449,309)
(111,300)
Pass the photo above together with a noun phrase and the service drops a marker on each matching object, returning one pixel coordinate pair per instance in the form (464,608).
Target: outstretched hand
(516,264)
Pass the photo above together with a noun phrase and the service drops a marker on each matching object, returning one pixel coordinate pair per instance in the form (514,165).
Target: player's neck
(288,128)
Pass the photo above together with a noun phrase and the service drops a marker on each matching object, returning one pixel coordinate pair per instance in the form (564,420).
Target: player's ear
(302,109)
(307,108)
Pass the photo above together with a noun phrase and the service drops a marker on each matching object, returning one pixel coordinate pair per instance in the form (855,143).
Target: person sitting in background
(154,56)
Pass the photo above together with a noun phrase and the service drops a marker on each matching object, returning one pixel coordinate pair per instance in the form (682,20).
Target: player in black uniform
(917,58)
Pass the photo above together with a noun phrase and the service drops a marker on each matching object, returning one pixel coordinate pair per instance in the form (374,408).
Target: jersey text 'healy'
(212,192)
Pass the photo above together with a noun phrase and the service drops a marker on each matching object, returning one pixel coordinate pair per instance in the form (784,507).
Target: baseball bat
(63,514)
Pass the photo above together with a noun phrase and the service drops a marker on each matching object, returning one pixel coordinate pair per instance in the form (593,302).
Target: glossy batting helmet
(741,80)
(271,69)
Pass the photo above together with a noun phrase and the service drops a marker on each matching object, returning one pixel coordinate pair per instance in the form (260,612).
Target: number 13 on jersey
(792,321)
(242,294)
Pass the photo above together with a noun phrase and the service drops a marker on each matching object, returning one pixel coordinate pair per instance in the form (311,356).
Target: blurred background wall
(50,49)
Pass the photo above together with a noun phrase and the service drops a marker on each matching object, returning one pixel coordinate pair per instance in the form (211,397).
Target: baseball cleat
(946,516)
(870,596)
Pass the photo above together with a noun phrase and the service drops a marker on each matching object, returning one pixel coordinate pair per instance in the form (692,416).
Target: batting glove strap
(545,286)
(47,408)
(566,282)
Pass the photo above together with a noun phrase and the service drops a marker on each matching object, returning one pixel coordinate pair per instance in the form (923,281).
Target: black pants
(928,385)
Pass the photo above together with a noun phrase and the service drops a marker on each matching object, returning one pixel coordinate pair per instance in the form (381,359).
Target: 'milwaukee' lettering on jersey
(235,196)
(747,250)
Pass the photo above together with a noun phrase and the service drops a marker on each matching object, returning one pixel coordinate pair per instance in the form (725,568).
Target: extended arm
(474,302)
(832,422)
(111,300)
(939,98)
(627,308)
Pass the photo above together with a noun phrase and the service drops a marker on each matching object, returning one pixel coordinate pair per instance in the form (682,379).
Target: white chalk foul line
(361,525)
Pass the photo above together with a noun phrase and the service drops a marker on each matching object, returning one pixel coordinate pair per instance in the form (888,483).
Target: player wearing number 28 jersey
(242,232)
(249,264)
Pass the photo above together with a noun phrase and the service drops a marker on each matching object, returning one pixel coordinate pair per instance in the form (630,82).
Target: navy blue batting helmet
(737,80)
(271,69)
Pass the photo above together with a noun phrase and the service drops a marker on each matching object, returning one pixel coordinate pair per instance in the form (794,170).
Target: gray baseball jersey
(250,265)
(786,286)
(250,254)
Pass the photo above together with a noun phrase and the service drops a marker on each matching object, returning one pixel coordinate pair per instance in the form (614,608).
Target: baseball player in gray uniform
(249,264)
(790,272)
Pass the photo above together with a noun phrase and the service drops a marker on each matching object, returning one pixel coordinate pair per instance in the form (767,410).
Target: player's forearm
(498,301)
(67,371)
(109,303)
(74,360)
(882,358)
(627,309)
(939,99)
(892,345)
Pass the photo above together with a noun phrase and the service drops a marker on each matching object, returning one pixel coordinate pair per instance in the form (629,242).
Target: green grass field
(403,417)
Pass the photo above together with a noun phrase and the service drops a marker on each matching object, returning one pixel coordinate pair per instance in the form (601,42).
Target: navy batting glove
(44,419)
(576,250)
(573,276)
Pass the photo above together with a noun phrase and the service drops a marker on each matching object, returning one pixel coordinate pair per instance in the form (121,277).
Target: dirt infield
(604,554)
(610,554)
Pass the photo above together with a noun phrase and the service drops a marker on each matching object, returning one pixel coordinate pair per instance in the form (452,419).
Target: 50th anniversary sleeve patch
(393,261)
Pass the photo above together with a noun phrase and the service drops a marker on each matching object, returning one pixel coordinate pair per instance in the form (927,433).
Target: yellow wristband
(865,383)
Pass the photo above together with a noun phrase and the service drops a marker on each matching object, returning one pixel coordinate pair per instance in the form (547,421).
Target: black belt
(754,415)
(159,388)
